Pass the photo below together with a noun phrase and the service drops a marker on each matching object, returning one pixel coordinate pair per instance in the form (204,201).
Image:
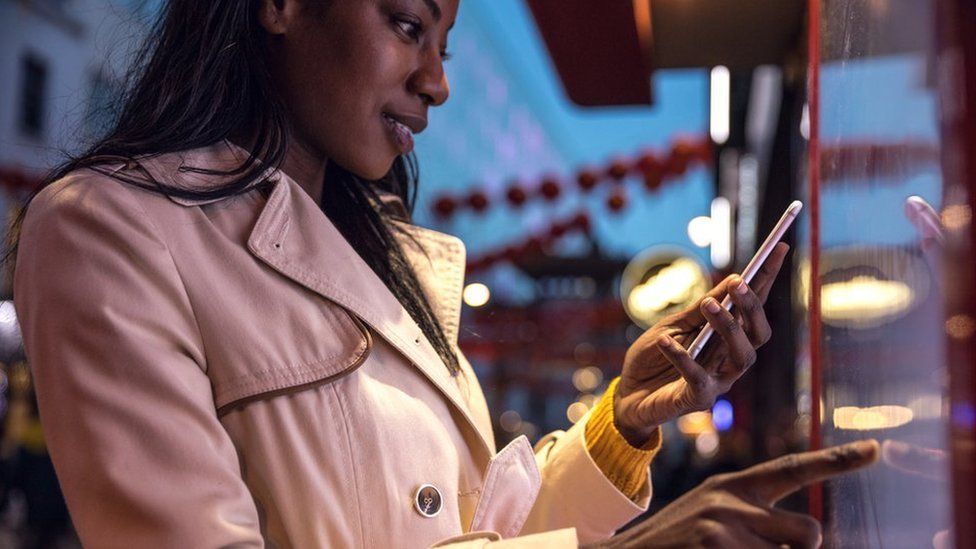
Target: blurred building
(61,61)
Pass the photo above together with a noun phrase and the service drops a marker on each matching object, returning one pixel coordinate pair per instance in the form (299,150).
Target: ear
(276,15)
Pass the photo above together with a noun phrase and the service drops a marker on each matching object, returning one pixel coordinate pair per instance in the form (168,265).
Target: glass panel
(883,363)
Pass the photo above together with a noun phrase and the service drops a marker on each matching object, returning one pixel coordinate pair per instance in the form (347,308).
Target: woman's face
(359,76)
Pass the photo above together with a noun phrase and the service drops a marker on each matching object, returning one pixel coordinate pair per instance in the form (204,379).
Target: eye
(409,27)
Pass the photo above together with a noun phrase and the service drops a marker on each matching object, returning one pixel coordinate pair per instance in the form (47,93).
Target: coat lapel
(294,237)
(438,261)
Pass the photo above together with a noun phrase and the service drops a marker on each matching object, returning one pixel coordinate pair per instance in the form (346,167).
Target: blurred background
(605,163)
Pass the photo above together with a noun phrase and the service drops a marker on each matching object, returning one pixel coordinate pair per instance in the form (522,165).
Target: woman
(238,338)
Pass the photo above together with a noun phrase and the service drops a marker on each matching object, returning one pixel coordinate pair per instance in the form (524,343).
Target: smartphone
(751,269)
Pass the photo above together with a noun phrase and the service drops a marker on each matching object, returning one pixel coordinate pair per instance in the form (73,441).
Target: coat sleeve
(119,372)
(557,539)
(576,502)
(576,493)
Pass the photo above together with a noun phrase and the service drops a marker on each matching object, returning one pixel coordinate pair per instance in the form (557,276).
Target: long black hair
(201,77)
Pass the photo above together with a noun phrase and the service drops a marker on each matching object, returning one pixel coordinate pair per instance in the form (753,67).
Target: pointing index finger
(773,480)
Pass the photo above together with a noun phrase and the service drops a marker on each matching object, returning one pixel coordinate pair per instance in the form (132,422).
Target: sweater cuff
(624,465)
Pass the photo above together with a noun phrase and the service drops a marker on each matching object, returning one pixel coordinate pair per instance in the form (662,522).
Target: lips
(401,135)
(401,128)
(415,123)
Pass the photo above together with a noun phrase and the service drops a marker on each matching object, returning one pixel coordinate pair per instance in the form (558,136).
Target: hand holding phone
(792,211)
(661,381)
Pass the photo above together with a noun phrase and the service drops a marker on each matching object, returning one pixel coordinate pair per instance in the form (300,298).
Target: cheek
(358,88)
(352,78)
(340,85)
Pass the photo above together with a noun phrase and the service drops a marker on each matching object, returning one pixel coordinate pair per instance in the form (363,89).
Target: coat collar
(180,169)
(293,236)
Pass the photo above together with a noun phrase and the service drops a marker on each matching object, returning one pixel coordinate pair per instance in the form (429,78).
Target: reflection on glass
(882,230)
(871,418)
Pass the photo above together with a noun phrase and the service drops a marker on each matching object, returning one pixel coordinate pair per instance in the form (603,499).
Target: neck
(301,163)
(306,167)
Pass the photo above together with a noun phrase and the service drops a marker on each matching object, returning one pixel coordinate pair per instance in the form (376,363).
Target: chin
(373,170)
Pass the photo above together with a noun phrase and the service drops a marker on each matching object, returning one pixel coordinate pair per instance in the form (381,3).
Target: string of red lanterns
(654,169)
(866,161)
(534,245)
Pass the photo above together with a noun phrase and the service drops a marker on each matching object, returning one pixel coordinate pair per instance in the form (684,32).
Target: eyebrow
(434,9)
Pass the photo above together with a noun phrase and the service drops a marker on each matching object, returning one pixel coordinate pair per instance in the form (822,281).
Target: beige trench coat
(231,373)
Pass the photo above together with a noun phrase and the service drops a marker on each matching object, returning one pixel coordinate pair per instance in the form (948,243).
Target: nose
(429,80)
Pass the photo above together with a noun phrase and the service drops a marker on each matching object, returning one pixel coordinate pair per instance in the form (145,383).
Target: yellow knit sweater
(625,466)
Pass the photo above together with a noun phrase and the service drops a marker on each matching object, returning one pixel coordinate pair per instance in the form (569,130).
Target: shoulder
(118,187)
(86,196)
(84,226)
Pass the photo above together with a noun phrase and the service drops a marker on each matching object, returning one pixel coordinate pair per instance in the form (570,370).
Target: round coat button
(428,500)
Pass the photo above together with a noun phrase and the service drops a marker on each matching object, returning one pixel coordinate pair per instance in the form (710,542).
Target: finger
(721,532)
(750,308)
(763,281)
(784,527)
(771,481)
(942,540)
(738,536)
(696,398)
(741,351)
(772,525)
(713,354)
(691,371)
(691,318)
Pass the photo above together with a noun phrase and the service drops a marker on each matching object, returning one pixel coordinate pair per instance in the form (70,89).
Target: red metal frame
(813,167)
(957,81)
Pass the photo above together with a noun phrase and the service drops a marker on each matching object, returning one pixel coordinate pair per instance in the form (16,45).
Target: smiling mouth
(400,132)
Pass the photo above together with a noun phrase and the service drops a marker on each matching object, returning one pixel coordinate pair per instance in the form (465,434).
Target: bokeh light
(722,415)
(476,294)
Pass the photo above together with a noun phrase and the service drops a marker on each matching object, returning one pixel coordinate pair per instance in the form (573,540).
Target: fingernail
(864,449)
(666,342)
(712,305)
(869,447)
(740,286)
